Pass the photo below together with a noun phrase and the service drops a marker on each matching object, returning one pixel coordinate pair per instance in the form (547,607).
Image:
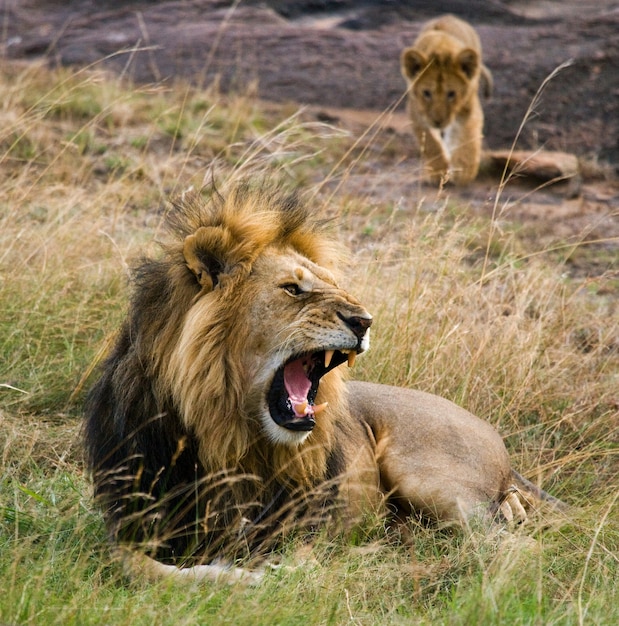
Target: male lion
(443,69)
(221,418)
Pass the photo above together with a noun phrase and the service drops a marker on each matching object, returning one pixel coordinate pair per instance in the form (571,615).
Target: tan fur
(245,288)
(443,70)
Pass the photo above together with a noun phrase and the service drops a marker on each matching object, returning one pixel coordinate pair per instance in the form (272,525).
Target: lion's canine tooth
(352,355)
(300,409)
(328,356)
(320,407)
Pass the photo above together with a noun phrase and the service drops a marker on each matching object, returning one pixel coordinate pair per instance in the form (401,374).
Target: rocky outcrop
(345,54)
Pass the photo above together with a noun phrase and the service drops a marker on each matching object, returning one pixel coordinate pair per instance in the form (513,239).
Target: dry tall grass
(463,309)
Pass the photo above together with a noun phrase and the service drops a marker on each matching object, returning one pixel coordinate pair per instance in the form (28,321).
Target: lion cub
(443,70)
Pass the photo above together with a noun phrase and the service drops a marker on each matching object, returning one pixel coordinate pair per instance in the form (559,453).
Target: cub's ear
(207,254)
(411,63)
(468,61)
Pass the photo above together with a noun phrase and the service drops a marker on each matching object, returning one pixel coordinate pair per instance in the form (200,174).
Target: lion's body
(208,434)
(443,70)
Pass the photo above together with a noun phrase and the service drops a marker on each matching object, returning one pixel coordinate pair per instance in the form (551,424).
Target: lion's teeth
(320,407)
(301,408)
(328,356)
(352,355)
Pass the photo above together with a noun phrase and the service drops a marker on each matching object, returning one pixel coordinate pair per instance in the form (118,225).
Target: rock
(538,166)
(543,165)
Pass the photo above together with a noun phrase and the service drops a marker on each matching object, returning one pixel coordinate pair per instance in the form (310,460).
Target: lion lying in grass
(222,420)
(443,70)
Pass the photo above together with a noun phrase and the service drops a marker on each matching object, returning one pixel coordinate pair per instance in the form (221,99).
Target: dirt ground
(340,58)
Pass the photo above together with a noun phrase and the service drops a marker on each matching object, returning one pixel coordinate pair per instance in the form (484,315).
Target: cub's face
(440,83)
(301,326)
(439,96)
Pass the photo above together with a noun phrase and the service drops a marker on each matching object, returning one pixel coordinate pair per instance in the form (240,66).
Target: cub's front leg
(463,141)
(433,154)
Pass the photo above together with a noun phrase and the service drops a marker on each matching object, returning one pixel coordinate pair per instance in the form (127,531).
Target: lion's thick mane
(171,435)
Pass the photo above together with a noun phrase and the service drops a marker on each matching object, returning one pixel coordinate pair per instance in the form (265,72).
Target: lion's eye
(292,289)
(427,94)
(451,95)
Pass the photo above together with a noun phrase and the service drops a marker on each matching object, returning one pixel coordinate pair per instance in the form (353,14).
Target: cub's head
(256,353)
(440,77)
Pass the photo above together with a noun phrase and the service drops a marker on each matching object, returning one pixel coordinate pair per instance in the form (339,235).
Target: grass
(463,308)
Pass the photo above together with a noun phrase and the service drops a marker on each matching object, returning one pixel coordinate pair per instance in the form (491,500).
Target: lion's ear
(412,62)
(468,61)
(206,253)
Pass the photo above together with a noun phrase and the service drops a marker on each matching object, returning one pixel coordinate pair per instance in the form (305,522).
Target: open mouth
(291,398)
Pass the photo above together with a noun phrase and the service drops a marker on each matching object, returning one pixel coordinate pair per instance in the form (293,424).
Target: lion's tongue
(297,385)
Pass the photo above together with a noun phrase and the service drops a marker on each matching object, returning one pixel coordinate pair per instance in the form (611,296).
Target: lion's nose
(357,324)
